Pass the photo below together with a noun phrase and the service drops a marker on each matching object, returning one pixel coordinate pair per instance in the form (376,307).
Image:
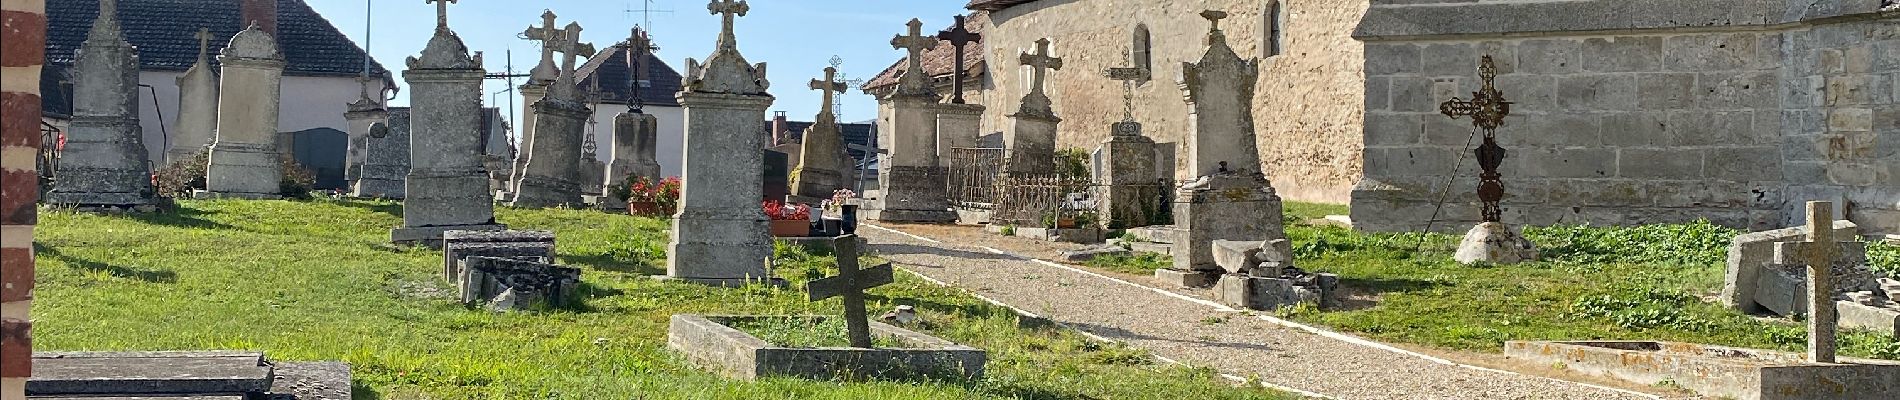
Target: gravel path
(1201,333)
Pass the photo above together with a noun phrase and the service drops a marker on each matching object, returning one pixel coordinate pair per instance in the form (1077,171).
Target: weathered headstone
(245,159)
(197,105)
(1818,253)
(850,285)
(1749,255)
(1032,143)
(1229,198)
(635,147)
(519,245)
(447,185)
(552,175)
(385,169)
(822,160)
(1130,194)
(1492,241)
(536,88)
(719,234)
(910,181)
(104,161)
(506,284)
(364,114)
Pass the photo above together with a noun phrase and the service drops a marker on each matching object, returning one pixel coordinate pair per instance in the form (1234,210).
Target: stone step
(148,373)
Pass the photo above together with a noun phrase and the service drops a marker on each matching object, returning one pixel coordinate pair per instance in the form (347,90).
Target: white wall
(672,134)
(309,102)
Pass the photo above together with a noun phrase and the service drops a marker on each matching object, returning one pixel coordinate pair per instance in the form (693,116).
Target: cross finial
(830,85)
(1128,76)
(204,42)
(728,9)
(1040,62)
(441,12)
(915,43)
(570,46)
(1214,16)
(958,36)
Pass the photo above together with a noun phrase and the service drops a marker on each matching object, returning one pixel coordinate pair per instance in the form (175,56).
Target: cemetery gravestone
(911,184)
(552,174)
(850,284)
(1491,241)
(197,105)
(104,160)
(958,123)
(719,235)
(385,168)
(245,158)
(457,246)
(536,88)
(1032,144)
(363,114)
(1125,164)
(822,161)
(447,185)
(507,284)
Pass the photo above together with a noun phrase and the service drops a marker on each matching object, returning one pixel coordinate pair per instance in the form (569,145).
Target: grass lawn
(1651,282)
(316,280)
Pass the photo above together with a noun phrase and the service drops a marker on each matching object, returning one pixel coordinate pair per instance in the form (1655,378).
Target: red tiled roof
(938,60)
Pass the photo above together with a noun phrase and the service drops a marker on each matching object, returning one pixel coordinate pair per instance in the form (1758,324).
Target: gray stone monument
(719,234)
(385,169)
(245,159)
(1130,196)
(1229,198)
(1032,143)
(635,147)
(551,177)
(447,185)
(364,114)
(822,160)
(104,163)
(1818,253)
(911,184)
(197,105)
(536,88)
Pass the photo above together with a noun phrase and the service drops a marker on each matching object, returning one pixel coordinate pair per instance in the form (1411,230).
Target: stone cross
(915,80)
(1819,252)
(1487,109)
(204,42)
(441,12)
(1128,76)
(548,34)
(727,9)
(850,284)
(1040,62)
(958,38)
(1214,16)
(831,86)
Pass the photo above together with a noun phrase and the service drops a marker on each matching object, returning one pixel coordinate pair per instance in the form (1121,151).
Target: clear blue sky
(795,38)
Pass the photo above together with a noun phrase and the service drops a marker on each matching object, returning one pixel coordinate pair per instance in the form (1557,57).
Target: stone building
(1309,101)
(1632,112)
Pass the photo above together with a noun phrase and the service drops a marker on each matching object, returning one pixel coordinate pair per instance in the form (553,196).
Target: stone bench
(521,245)
(511,284)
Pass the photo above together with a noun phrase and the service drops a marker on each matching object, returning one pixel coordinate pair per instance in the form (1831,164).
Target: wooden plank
(148,373)
(830,287)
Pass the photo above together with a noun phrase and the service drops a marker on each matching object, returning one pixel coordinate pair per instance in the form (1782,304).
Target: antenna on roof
(646,13)
(837,98)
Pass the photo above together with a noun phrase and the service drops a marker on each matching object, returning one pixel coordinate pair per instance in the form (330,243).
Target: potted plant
(647,198)
(788,219)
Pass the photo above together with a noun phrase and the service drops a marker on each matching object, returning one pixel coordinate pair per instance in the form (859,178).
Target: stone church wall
(1635,111)
(1307,109)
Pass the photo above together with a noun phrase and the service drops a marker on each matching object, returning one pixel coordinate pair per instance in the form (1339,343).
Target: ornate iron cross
(1040,62)
(638,46)
(1819,253)
(727,10)
(547,33)
(441,12)
(830,86)
(958,37)
(1487,109)
(850,284)
(1128,76)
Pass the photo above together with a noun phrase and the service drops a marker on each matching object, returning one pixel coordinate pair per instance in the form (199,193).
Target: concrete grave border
(706,340)
(1719,371)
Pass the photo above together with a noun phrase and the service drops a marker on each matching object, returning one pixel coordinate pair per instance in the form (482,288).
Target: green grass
(1138,263)
(1652,282)
(807,333)
(316,280)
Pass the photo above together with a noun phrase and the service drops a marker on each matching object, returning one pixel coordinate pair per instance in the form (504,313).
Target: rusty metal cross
(1819,253)
(1487,109)
(727,10)
(1040,62)
(441,12)
(850,284)
(958,36)
(638,46)
(1128,76)
(830,86)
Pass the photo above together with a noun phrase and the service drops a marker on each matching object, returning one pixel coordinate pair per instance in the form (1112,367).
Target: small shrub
(1009,230)
(1885,258)
(297,181)
(180,177)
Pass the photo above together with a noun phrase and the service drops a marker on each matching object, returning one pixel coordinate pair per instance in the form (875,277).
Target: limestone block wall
(1307,109)
(1633,111)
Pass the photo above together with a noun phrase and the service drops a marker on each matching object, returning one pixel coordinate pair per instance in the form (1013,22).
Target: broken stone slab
(1750,252)
(319,380)
(507,284)
(1268,293)
(147,373)
(1092,253)
(522,245)
(1851,314)
(1236,256)
(1171,277)
(1891,287)
(1494,243)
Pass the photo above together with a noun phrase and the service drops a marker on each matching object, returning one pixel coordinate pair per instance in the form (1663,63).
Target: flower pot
(645,208)
(790,228)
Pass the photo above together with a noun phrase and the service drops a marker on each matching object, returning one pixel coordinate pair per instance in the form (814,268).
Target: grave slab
(1714,371)
(711,342)
(148,373)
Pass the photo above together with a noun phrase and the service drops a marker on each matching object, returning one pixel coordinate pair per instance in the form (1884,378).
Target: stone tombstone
(507,284)
(910,181)
(458,246)
(1124,164)
(197,105)
(385,169)
(1229,198)
(635,148)
(552,175)
(1749,256)
(719,235)
(104,162)
(822,160)
(1032,143)
(245,158)
(543,74)
(363,115)
(777,175)
(958,126)
(447,185)
(1818,253)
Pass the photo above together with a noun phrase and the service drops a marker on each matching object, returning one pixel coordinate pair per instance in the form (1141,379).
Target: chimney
(261,12)
(779,128)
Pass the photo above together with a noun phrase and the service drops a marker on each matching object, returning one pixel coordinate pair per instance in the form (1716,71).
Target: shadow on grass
(393,209)
(609,263)
(1363,293)
(359,390)
(977,311)
(158,276)
(181,217)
